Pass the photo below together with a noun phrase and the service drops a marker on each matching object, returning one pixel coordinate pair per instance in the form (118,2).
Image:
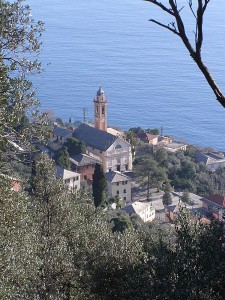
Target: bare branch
(165,26)
(179,29)
(163,7)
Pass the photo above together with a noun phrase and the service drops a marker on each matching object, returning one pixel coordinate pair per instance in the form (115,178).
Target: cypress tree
(98,185)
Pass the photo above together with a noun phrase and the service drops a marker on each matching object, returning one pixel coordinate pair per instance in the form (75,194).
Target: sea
(148,76)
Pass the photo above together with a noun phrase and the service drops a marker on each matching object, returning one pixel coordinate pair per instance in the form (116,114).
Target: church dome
(100,91)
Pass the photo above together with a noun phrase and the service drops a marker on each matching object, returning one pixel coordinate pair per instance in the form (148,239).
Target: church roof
(94,137)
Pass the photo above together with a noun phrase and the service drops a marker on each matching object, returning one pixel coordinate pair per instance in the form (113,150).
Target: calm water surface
(149,78)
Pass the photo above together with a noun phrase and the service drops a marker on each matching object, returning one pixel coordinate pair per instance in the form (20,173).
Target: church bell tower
(100,108)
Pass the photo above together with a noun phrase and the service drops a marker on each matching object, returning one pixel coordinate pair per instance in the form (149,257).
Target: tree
(177,27)
(154,131)
(186,197)
(62,158)
(19,44)
(167,199)
(98,186)
(199,258)
(75,146)
(149,173)
(121,223)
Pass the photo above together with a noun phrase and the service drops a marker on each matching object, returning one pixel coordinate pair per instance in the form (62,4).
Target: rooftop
(136,207)
(61,131)
(65,174)
(116,176)
(94,137)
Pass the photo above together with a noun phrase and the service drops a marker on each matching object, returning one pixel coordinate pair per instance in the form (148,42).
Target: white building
(145,210)
(71,179)
(212,159)
(119,184)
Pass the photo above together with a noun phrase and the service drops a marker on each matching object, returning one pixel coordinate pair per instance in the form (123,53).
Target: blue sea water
(148,76)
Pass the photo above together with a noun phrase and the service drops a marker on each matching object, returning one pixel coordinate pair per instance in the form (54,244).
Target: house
(215,204)
(16,184)
(145,210)
(85,165)
(174,147)
(212,159)
(163,140)
(114,152)
(195,206)
(148,138)
(58,137)
(119,184)
(71,179)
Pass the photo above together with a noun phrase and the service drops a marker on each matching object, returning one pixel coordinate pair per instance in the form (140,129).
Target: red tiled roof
(218,199)
(151,136)
(147,136)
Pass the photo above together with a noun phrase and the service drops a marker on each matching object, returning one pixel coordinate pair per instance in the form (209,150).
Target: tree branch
(195,52)
(165,26)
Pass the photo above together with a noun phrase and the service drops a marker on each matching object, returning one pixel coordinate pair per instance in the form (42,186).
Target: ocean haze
(147,74)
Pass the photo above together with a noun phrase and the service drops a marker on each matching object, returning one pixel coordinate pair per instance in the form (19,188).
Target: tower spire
(100,110)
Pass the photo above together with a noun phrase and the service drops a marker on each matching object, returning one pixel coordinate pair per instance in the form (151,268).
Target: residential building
(215,204)
(71,179)
(145,210)
(119,184)
(58,137)
(212,159)
(148,138)
(174,147)
(16,184)
(85,165)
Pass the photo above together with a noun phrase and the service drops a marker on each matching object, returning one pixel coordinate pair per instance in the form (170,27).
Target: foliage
(121,223)
(167,198)
(75,146)
(149,173)
(186,197)
(19,44)
(98,186)
(62,158)
(154,131)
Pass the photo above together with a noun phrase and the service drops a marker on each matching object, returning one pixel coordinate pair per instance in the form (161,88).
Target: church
(113,151)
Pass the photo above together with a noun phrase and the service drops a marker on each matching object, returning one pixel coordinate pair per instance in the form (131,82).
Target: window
(124,191)
(117,183)
(117,192)
(124,198)
(124,182)
(118,146)
(103,110)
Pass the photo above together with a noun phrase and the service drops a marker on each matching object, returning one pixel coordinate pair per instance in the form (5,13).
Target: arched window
(118,146)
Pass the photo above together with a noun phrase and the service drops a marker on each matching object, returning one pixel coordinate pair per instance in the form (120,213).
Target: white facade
(119,185)
(145,210)
(71,179)
(118,157)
